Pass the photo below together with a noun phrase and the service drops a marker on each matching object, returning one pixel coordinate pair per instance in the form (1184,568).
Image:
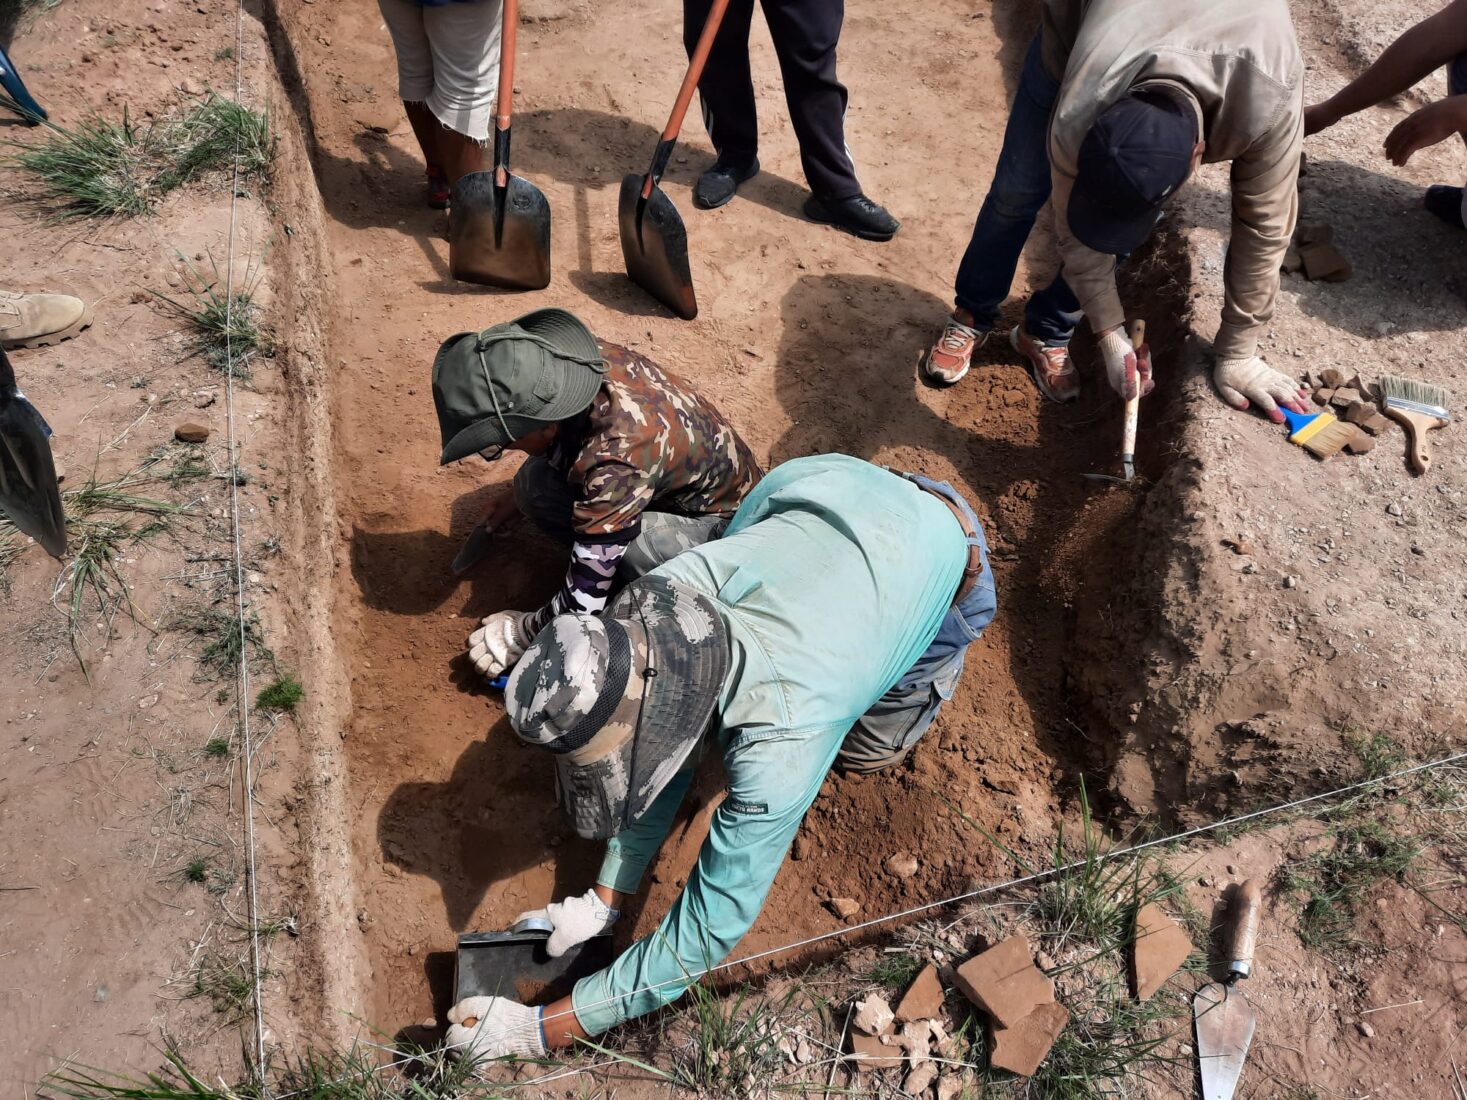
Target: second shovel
(654,241)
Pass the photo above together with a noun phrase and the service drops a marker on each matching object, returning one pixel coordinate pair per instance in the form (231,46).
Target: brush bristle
(1430,399)
(1326,439)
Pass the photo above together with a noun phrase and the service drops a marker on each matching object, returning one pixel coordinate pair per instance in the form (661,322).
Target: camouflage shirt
(649,441)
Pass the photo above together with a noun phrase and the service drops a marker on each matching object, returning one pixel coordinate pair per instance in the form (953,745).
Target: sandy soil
(1131,648)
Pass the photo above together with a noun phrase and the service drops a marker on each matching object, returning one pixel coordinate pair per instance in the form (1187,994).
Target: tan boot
(39,320)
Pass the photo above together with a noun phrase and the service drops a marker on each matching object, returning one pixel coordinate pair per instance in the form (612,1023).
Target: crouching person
(824,628)
(628,463)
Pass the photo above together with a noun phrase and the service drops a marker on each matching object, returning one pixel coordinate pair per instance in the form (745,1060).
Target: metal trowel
(515,964)
(1222,1016)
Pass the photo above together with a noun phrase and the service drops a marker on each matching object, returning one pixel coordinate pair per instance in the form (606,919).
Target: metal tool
(1137,333)
(515,963)
(1221,1015)
(21,100)
(654,241)
(499,223)
(473,549)
(29,493)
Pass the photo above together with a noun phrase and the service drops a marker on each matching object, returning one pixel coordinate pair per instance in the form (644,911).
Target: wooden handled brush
(1418,407)
(1318,433)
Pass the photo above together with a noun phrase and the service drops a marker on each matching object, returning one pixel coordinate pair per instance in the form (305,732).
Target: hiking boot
(857,215)
(721,182)
(1446,203)
(951,356)
(1051,368)
(40,320)
(438,189)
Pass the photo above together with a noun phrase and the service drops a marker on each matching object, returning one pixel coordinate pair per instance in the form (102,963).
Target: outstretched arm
(1428,45)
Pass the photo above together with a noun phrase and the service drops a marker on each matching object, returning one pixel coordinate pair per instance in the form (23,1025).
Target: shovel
(499,223)
(1221,1014)
(20,99)
(1137,333)
(29,494)
(654,241)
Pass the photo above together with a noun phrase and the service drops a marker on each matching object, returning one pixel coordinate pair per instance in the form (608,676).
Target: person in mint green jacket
(824,628)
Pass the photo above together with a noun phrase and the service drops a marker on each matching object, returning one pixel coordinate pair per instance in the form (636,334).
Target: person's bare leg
(460,154)
(425,129)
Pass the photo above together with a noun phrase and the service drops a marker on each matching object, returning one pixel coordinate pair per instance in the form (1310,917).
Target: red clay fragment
(869,1052)
(1021,1049)
(1161,946)
(923,998)
(1004,982)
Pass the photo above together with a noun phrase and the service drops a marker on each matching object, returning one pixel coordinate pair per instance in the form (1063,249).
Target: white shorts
(448,59)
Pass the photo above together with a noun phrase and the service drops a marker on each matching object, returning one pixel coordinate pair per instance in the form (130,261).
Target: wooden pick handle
(1247,907)
(1136,330)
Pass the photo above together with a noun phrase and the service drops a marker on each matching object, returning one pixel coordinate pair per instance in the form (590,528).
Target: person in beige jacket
(1118,102)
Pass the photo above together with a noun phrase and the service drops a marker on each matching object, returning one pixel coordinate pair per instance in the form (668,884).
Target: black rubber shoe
(1446,203)
(857,214)
(721,183)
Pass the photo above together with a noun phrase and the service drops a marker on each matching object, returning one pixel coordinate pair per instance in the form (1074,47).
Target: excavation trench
(808,341)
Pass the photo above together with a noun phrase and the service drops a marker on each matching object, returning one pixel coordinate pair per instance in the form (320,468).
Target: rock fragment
(1004,982)
(873,1015)
(844,908)
(189,432)
(1160,947)
(869,1052)
(1022,1048)
(902,864)
(1362,443)
(923,998)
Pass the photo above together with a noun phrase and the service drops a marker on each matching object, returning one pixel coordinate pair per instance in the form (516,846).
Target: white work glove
(499,642)
(501,1028)
(576,920)
(1128,368)
(1250,379)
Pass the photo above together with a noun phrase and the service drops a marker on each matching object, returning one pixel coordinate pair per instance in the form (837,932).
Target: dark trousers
(805,34)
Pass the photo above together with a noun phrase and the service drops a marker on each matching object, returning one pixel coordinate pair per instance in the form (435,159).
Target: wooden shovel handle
(695,69)
(504,98)
(1247,907)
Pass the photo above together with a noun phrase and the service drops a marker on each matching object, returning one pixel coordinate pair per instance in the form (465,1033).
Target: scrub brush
(1318,433)
(1418,407)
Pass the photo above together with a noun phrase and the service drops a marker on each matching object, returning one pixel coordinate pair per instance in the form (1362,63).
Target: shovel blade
(29,494)
(654,244)
(1224,1022)
(499,236)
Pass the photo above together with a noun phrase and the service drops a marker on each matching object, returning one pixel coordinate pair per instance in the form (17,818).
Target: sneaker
(721,182)
(438,189)
(857,215)
(951,356)
(40,320)
(1051,368)
(1446,203)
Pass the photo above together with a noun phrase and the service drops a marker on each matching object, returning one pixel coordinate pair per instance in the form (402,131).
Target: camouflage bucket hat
(492,387)
(621,699)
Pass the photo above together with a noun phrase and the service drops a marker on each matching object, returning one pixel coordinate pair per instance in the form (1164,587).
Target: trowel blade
(1224,1021)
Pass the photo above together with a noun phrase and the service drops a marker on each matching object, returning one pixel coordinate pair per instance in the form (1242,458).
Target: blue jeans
(1020,188)
(896,722)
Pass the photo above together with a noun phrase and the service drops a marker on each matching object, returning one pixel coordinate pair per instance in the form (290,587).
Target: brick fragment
(1022,1048)
(1004,982)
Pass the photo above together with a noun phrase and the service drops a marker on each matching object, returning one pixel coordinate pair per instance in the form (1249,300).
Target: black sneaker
(857,214)
(1446,203)
(721,183)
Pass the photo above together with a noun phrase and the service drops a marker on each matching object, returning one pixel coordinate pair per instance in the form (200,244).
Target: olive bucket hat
(621,699)
(492,387)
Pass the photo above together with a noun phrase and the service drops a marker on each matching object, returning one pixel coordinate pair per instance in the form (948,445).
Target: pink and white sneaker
(952,355)
(1051,368)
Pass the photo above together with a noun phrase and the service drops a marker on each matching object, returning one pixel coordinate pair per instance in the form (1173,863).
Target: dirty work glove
(499,642)
(1128,368)
(576,920)
(500,1028)
(1245,380)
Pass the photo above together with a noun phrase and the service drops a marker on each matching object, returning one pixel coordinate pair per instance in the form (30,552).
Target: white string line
(243,689)
(691,976)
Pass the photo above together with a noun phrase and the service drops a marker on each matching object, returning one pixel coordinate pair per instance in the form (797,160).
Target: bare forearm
(1427,46)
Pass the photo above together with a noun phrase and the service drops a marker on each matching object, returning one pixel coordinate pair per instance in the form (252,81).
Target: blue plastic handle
(498,682)
(1295,420)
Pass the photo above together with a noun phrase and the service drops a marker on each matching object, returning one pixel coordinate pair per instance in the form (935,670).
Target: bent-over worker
(1118,102)
(825,627)
(628,463)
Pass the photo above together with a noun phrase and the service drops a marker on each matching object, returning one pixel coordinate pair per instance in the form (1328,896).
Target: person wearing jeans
(1436,41)
(1118,102)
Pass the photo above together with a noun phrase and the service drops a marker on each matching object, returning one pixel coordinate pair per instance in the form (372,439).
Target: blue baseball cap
(1137,153)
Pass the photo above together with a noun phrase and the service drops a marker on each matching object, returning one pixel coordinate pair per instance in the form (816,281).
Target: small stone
(1325,263)
(1022,1048)
(923,998)
(100,997)
(801,847)
(1012,398)
(1344,397)
(1160,947)
(949,1088)
(902,864)
(1365,1029)
(1321,397)
(920,1078)
(1291,581)
(1004,982)
(191,433)
(1331,378)
(364,919)
(1361,443)
(869,1052)
(1359,412)
(1418,550)
(873,1015)
(1232,869)
(203,399)
(844,908)
(1394,509)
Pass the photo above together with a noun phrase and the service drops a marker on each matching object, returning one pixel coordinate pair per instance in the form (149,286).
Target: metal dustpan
(29,493)
(1223,1018)
(499,223)
(514,964)
(654,241)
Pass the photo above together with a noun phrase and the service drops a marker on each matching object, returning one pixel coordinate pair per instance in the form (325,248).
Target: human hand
(575,919)
(1320,116)
(1128,368)
(1433,123)
(494,1027)
(1249,379)
(499,642)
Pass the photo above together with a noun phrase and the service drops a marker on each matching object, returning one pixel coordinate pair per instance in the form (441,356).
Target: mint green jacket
(832,579)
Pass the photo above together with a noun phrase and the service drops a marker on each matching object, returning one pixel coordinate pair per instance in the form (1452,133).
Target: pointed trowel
(1221,1014)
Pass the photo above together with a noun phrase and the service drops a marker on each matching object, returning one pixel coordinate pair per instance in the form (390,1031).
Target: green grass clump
(226,641)
(217,747)
(197,870)
(280,695)
(895,972)
(1328,888)
(101,168)
(224,322)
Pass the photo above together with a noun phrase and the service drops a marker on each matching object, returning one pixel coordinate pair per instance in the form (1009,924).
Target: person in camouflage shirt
(627,463)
